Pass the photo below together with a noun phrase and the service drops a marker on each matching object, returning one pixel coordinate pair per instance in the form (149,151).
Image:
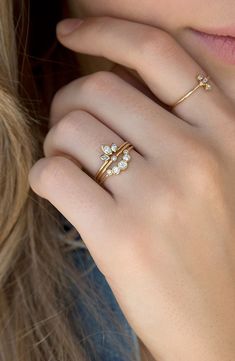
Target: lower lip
(222,46)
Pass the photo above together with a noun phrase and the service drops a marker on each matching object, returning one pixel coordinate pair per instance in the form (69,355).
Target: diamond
(114,158)
(126,157)
(104,157)
(109,172)
(122,164)
(126,151)
(205,80)
(116,170)
(106,149)
(114,147)
(200,77)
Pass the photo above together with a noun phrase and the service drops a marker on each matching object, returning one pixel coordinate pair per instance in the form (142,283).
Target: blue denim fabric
(104,351)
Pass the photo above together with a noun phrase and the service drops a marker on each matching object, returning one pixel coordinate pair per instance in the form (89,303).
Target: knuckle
(157,42)
(53,171)
(98,82)
(70,123)
(67,91)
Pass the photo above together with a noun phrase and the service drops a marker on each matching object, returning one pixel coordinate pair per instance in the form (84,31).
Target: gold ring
(202,82)
(111,155)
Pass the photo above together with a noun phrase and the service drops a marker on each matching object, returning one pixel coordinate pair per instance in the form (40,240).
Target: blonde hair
(40,284)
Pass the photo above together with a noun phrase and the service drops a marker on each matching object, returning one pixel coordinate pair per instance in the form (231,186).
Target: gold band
(107,163)
(104,175)
(111,154)
(202,82)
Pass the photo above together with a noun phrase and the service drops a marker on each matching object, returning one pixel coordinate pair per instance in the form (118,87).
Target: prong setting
(203,81)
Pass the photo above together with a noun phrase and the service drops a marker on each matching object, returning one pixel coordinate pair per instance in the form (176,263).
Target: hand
(163,231)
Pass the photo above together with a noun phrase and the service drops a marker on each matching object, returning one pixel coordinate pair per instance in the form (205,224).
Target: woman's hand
(162,232)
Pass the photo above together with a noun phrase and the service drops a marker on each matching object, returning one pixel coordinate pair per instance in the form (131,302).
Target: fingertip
(68,26)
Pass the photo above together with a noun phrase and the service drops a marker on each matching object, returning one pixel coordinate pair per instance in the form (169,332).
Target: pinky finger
(78,197)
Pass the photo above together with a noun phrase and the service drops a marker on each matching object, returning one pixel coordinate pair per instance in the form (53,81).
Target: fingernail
(67,26)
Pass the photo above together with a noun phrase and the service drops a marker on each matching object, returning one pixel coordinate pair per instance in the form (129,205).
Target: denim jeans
(103,351)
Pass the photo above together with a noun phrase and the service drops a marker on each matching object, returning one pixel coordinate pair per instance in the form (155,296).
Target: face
(179,17)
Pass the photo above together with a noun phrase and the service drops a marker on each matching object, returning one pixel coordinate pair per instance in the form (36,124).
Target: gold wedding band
(111,155)
(202,82)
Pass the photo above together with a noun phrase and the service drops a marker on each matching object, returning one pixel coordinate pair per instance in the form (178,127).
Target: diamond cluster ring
(113,154)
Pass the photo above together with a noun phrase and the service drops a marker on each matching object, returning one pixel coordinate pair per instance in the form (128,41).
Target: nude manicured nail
(66,27)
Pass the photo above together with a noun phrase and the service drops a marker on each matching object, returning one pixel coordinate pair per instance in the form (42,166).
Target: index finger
(168,70)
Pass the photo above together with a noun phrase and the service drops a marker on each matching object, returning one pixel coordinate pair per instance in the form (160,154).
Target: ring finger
(122,108)
(80,136)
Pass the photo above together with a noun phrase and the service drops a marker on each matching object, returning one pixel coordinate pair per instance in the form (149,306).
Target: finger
(123,109)
(82,201)
(133,79)
(168,70)
(80,135)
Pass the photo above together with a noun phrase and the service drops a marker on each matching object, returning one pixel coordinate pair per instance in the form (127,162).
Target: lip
(219,43)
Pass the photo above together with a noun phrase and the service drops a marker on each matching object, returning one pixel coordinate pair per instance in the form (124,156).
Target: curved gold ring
(111,155)
(202,82)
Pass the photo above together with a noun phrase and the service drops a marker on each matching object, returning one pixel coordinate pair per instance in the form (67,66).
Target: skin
(175,17)
(163,231)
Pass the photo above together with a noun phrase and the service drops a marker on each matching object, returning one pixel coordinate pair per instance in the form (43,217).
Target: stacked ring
(110,155)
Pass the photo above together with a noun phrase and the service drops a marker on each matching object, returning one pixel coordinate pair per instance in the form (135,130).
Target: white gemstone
(114,158)
(205,80)
(109,172)
(200,77)
(126,151)
(106,149)
(114,147)
(122,164)
(104,157)
(126,157)
(116,170)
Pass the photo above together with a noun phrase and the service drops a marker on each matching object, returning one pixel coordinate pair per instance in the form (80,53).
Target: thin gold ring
(202,82)
(111,154)
(117,169)
(107,158)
